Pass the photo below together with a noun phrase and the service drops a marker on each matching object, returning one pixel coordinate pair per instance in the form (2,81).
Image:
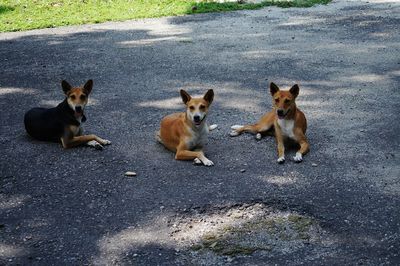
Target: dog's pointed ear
(65,86)
(294,90)
(88,86)
(209,96)
(185,96)
(273,88)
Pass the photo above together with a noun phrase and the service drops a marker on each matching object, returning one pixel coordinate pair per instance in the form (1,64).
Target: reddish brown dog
(286,119)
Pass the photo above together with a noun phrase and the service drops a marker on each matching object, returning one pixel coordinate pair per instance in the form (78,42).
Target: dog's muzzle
(281,113)
(78,109)
(197,120)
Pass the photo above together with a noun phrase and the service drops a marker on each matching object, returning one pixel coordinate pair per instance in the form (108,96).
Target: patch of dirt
(242,230)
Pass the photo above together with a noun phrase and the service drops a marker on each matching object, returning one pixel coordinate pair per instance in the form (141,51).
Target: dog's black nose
(78,109)
(196,118)
(280,112)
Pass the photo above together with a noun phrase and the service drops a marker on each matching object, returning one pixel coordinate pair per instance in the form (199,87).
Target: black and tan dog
(286,120)
(63,122)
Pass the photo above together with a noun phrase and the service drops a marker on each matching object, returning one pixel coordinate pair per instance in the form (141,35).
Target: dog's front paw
(233,133)
(212,127)
(207,162)
(197,161)
(298,158)
(258,136)
(95,145)
(236,126)
(105,142)
(281,160)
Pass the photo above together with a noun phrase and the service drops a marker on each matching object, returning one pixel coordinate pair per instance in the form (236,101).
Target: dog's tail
(158,137)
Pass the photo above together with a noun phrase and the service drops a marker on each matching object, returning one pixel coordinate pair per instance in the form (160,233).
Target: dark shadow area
(60,206)
(5,9)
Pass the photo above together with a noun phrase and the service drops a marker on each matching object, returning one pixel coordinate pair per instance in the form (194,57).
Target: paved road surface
(76,206)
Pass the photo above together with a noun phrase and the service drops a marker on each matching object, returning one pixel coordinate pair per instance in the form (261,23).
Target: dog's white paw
(236,126)
(258,136)
(207,162)
(233,133)
(105,142)
(197,161)
(95,145)
(298,158)
(281,159)
(212,127)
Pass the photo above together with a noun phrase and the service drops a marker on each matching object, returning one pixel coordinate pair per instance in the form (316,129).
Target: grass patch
(36,14)
(4,9)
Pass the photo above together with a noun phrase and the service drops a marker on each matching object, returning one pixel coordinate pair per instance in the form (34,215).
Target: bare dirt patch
(223,234)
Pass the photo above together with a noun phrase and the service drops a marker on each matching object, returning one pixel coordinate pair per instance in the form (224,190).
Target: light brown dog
(186,133)
(286,119)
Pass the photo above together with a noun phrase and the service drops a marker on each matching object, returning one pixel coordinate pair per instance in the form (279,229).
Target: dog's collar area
(80,116)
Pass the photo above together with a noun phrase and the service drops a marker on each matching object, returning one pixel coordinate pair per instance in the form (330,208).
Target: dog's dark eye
(287,101)
(202,107)
(191,108)
(73,97)
(277,100)
(83,97)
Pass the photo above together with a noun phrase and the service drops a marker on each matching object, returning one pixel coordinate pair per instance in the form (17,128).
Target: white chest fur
(287,127)
(198,138)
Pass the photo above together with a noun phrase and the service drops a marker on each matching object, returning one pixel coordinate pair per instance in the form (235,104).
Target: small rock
(130,173)
(213,245)
(242,170)
(314,165)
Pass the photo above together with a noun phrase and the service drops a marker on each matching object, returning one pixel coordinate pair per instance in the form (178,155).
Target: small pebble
(229,259)
(243,170)
(314,165)
(130,173)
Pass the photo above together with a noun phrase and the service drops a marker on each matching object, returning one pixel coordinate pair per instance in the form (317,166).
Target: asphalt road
(76,206)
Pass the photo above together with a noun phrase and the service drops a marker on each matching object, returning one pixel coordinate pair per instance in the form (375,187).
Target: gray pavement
(340,206)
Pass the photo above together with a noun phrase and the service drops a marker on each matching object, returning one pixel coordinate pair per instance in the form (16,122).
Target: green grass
(16,15)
